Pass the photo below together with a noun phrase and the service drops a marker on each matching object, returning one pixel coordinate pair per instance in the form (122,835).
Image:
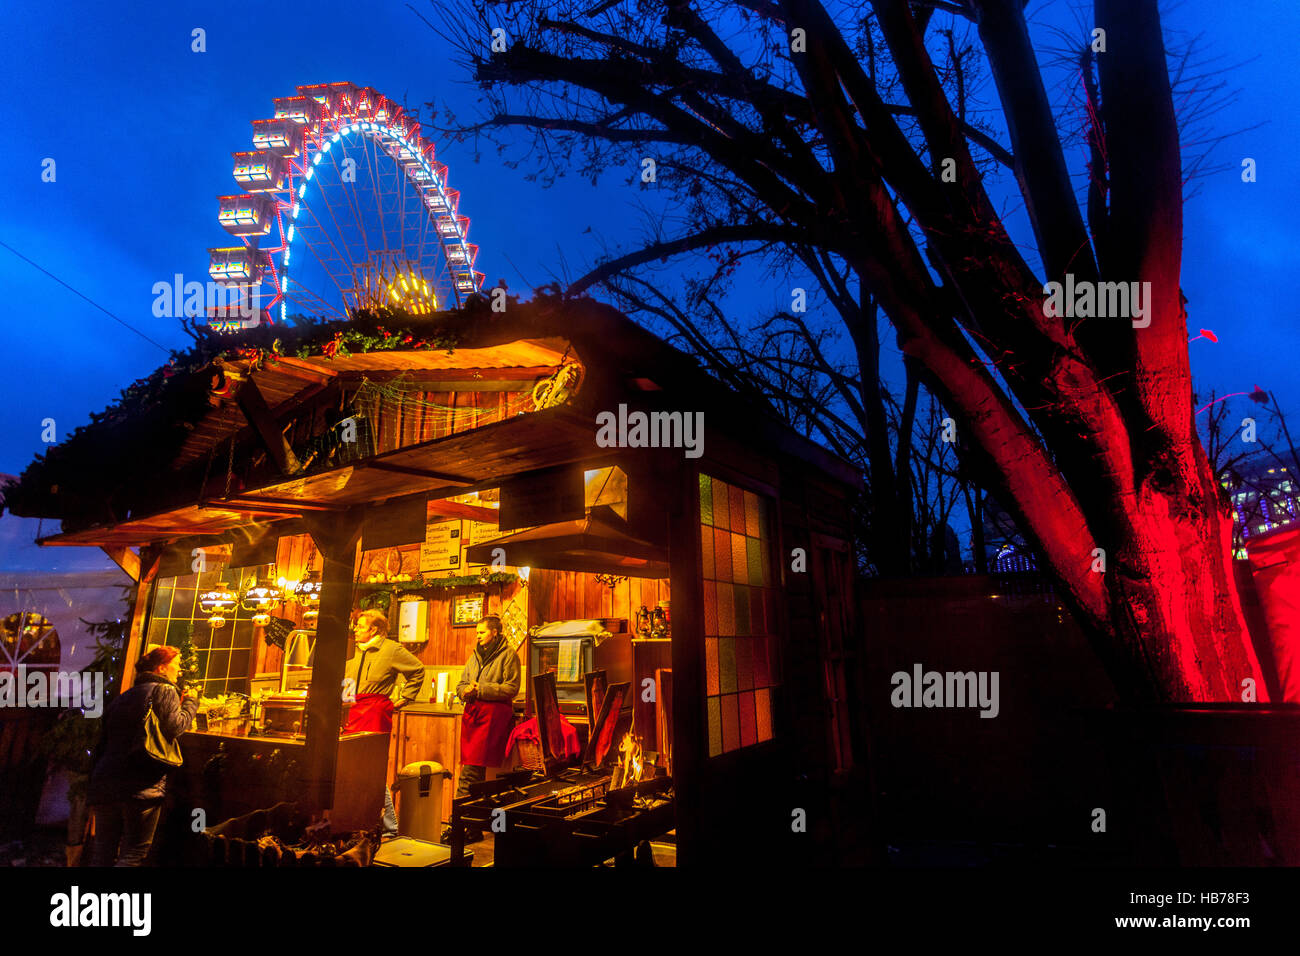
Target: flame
(629,768)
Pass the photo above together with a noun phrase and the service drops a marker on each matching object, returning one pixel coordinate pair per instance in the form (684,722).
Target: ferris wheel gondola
(343,206)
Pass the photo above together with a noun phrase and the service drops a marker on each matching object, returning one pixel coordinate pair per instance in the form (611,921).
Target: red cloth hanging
(372,713)
(528,731)
(485,732)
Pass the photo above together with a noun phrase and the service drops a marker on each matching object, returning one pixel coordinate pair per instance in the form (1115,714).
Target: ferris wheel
(344,207)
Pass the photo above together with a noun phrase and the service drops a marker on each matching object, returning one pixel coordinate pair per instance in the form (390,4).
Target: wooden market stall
(471,463)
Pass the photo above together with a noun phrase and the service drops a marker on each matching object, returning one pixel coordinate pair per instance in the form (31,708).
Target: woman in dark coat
(127,786)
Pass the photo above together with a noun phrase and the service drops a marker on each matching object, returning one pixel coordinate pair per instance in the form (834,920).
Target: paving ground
(43,847)
(46,847)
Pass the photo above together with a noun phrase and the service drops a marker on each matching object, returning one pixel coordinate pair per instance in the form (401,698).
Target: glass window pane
(176,631)
(711,664)
(220,639)
(183,603)
(721,510)
(763,714)
(727,665)
(742,609)
(730,723)
(736,499)
(752,515)
(218,664)
(739,565)
(744,664)
(710,608)
(726,610)
(162,602)
(706,499)
(239,663)
(722,555)
(715,726)
(157,631)
(754,561)
(748,725)
(706,550)
(242,634)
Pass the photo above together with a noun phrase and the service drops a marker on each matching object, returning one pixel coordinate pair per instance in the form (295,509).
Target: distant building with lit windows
(1005,548)
(1264,496)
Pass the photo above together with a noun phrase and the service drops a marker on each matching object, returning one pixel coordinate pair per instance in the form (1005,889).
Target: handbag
(157,744)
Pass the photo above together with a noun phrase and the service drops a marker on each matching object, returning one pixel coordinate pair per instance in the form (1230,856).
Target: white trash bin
(419,786)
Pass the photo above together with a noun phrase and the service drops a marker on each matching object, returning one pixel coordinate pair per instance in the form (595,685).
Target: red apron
(484,732)
(372,713)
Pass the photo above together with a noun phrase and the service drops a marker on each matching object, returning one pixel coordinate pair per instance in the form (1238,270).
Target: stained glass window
(739,615)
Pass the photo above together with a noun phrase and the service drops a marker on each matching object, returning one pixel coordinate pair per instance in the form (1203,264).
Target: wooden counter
(259,772)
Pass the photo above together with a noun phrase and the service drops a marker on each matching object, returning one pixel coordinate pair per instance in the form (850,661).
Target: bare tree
(831,128)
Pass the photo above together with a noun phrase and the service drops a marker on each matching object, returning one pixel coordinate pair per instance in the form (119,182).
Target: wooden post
(149,558)
(690,723)
(336,536)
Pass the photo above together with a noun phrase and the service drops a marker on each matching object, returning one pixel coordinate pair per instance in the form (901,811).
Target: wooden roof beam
(124,558)
(458,509)
(249,504)
(418,472)
(255,409)
(297,368)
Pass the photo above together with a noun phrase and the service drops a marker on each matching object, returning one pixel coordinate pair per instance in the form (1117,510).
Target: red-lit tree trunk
(1085,434)
(1128,482)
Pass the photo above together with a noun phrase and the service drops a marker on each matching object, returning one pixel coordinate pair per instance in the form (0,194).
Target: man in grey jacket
(371,675)
(488,685)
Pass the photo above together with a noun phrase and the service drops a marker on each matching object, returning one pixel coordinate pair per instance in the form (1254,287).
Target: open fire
(628,770)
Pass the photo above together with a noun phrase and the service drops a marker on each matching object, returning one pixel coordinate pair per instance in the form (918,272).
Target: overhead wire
(82,295)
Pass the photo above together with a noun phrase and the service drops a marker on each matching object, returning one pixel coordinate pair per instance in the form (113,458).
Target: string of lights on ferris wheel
(319,123)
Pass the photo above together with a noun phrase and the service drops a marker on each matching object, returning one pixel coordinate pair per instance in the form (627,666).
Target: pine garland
(152,416)
(427,581)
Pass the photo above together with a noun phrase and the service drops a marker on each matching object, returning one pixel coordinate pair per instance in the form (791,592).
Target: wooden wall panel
(295,555)
(452,645)
(576,595)
(569,595)
(425,416)
(647,656)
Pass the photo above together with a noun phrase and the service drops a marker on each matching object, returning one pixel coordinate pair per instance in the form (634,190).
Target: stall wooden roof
(292,380)
(445,466)
(620,359)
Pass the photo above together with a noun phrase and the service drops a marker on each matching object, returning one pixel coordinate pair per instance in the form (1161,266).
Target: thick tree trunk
(1173,600)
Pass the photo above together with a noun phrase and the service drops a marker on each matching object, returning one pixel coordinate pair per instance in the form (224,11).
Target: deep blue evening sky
(142,130)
